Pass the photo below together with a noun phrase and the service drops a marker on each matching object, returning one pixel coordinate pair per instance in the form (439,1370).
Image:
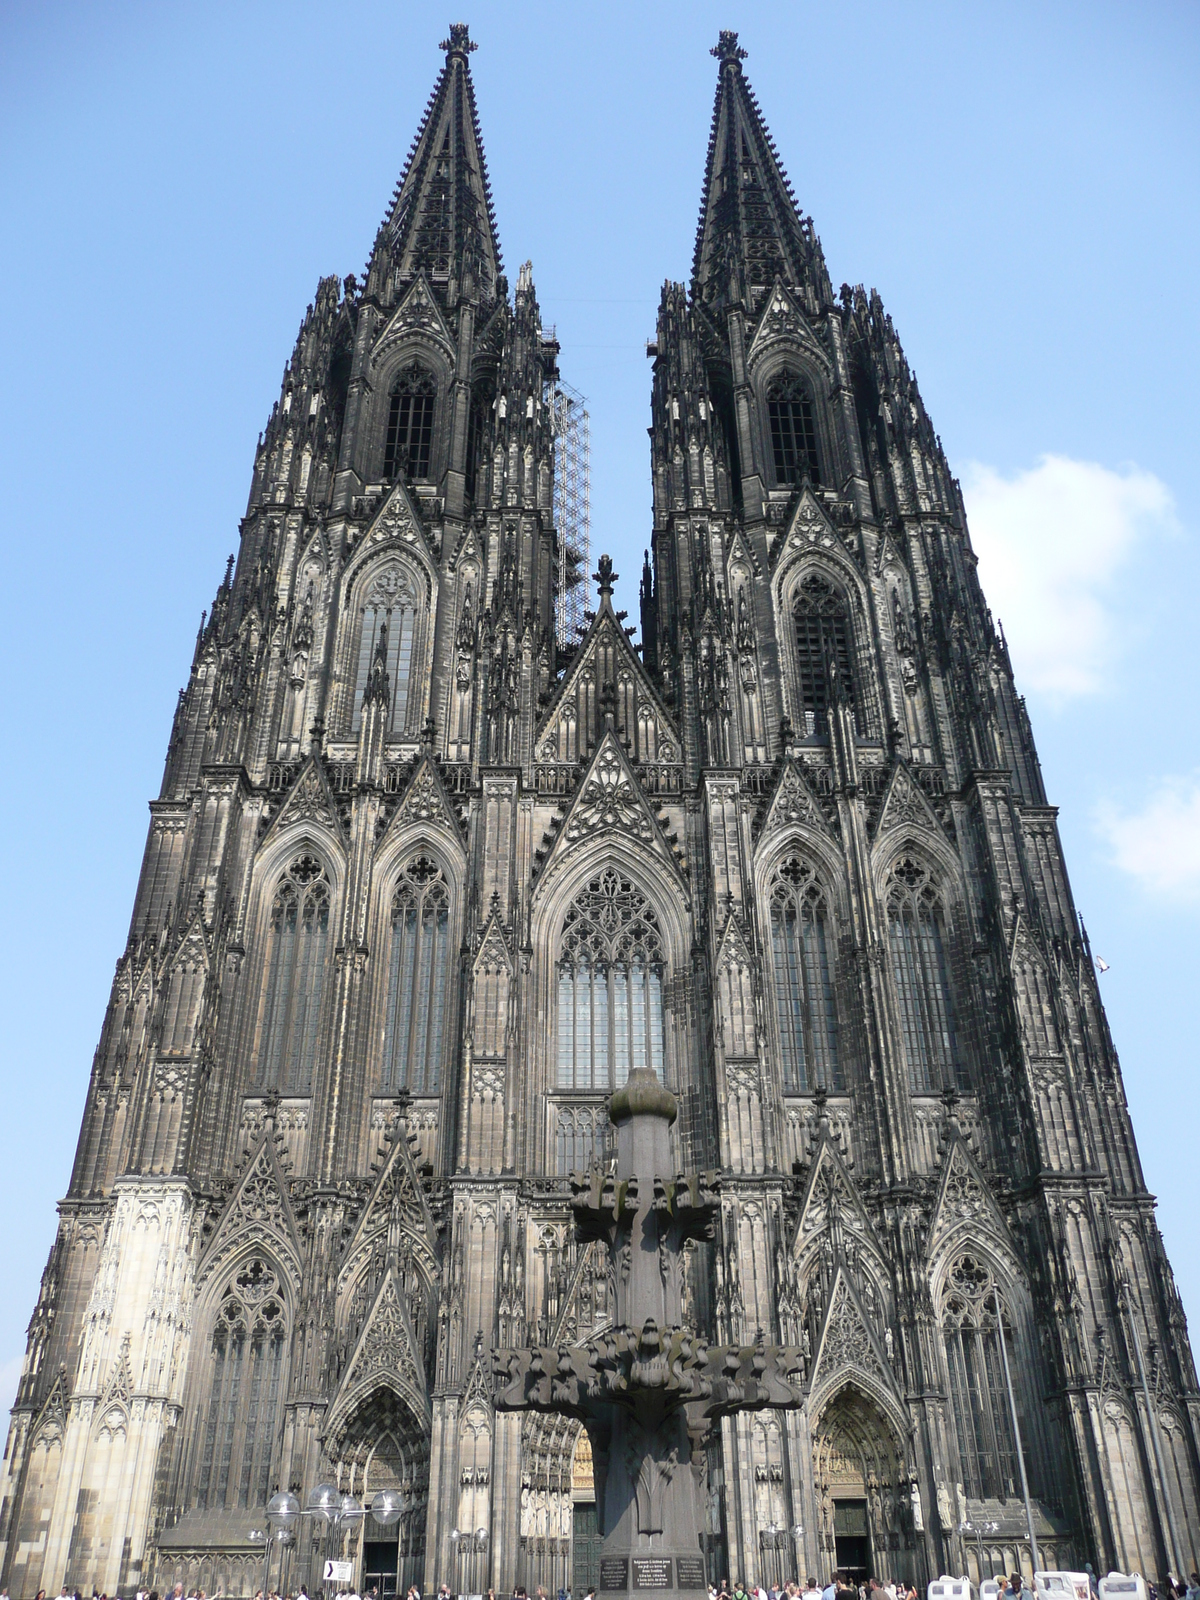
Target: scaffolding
(570,426)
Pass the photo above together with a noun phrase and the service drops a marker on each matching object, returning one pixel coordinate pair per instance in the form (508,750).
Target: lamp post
(797,1540)
(283,1515)
(772,1538)
(1012,1406)
(327,1505)
(256,1536)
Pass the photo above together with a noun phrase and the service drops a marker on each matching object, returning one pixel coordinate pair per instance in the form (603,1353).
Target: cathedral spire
(750,231)
(441,221)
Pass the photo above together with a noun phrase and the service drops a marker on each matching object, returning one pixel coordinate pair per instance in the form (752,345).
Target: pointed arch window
(973,1323)
(803,969)
(240,1413)
(409,439)
(390,612)
(610,982)
(793,429)
(920,973)
(418,980)
(824,657)
(297,960)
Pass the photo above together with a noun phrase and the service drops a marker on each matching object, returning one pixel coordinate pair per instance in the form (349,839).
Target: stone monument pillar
(647,1389)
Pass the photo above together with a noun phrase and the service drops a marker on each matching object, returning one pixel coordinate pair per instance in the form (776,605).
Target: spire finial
(605,577)
(459,43)
(727,49)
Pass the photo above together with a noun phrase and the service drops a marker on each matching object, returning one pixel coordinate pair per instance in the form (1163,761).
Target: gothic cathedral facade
(423,883)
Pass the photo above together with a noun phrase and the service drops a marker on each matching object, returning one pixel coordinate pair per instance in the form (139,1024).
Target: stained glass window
(973,1324)
(917,937)
(389,621)
(610,977)
(297,958)
(803,966)
(418,976)
(241,1414)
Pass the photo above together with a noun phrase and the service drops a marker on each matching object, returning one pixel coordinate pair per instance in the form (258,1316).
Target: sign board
(952,1589)
(614,1573)
(1128,1586)
(652,1572)
(689,1572)
(1062,1586)
(339,1571)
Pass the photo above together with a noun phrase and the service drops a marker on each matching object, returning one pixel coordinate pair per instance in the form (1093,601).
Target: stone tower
(422,887)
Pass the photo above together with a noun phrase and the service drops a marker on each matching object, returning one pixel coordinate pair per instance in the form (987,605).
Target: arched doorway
(585,1527)
(862,1489)
(381,1445)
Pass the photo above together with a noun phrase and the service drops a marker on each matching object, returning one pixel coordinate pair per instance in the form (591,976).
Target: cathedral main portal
(861,1488)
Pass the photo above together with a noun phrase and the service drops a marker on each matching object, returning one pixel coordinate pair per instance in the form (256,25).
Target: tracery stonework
(421,887)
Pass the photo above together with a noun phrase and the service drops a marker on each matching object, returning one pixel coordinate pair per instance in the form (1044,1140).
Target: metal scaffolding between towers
(570,424)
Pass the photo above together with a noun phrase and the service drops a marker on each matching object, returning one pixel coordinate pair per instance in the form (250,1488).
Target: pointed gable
(783,320)
(965,1204)
(810,528)
(494,954)
(607,663)
(397,521)
(906,806)
(848,1342)
(425,800)
(418,313)
(610,800)
(387,1351)
(309,800)
(396,1205)
(792,804)
(831,1200)
(258,1213)
(733,950)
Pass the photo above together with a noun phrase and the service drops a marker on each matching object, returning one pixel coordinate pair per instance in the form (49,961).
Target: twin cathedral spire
(423,884)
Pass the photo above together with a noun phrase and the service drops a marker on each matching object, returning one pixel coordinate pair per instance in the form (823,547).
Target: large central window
(804,1002)
(793,431)
(410,424)
(610,977)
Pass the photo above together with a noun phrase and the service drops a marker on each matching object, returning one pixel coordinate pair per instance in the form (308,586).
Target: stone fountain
(647,1389)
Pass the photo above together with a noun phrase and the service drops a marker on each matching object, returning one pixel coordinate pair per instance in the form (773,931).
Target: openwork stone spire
(750,231)
(441,221)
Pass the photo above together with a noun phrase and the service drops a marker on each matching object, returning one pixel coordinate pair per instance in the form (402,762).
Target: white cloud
(1159,844)
(1051,541)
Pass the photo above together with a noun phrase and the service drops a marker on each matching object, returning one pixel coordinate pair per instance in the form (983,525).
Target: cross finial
(727,48)
(459,43)
(605,577)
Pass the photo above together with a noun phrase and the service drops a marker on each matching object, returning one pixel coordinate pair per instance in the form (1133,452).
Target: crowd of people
(840,1587)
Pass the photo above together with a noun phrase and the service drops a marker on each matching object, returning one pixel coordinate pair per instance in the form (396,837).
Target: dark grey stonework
(421,887)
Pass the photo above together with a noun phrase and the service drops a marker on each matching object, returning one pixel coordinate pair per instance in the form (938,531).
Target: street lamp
(257,1537)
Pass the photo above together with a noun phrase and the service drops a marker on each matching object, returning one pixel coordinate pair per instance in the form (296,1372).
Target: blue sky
(1020,182)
